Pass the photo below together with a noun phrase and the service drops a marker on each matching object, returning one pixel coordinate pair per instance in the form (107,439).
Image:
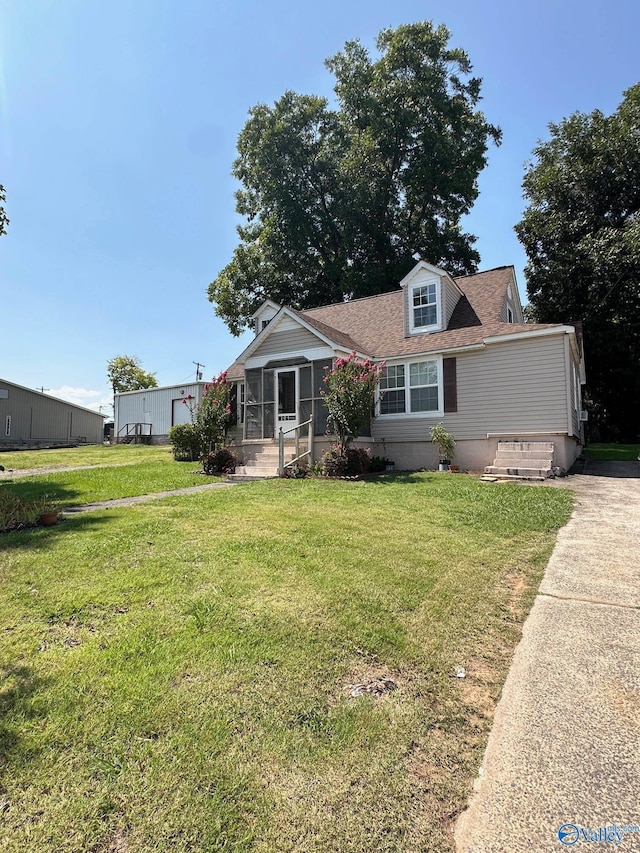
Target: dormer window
(424,307)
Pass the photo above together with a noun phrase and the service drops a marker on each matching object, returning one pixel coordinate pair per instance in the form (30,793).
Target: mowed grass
(612,452)
(117,454)
(149,474)
(174,673)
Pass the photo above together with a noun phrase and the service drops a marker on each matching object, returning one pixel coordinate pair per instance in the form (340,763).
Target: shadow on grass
(18,688)
(41,537)
(388,479)
(616,470)
(30,490)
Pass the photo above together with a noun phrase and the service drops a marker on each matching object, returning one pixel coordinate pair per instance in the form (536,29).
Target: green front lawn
(175,673)
(612,452)
(68,488)
(118,454)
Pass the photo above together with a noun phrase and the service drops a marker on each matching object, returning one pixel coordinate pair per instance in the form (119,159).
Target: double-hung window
(424,298)
(410,388)
(423,386)
(393,401)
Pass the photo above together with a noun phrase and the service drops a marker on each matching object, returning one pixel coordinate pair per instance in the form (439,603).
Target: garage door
(180,413)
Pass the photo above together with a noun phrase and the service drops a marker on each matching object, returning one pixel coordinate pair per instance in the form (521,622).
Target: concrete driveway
(562,766)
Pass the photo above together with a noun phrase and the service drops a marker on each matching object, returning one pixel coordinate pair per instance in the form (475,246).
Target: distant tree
(337,201)
(581,232)
(4,221)
(126,374)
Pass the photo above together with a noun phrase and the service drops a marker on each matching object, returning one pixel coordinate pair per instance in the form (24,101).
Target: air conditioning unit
(584,415)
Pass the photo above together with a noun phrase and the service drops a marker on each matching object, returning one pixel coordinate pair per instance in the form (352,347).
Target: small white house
(151,412)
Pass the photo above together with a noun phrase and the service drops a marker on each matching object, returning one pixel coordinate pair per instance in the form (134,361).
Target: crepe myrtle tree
(214,417)
(349,396)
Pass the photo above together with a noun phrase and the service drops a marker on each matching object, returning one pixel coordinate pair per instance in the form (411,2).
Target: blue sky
(118,125)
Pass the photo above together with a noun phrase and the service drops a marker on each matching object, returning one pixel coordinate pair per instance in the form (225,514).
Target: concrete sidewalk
(565,744)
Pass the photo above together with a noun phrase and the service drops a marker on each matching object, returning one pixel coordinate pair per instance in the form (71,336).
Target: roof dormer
(263,316)
(430,297)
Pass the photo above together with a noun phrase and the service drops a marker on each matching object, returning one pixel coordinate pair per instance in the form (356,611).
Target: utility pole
(42,390)
(198,371)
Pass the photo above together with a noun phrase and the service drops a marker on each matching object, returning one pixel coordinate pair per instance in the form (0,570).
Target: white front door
(286,399)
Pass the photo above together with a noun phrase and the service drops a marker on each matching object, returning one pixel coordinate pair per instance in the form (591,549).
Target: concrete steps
(523,460)
(261,461)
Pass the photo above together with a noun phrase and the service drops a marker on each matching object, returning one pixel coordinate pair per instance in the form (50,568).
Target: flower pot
(444,465)
(48,519)
(390,466)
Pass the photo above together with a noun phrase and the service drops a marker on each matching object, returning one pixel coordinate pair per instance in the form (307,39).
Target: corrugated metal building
(31,419)
(156,409)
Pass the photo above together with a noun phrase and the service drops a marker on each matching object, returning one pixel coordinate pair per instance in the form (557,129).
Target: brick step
(504,471)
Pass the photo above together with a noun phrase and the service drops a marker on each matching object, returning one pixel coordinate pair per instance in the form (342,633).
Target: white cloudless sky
(118,126)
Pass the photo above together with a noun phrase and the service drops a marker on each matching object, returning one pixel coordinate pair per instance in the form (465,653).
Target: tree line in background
(581,233)
(337,200)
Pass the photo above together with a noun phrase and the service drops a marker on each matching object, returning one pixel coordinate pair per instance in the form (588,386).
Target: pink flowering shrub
(349,397)
(213,416)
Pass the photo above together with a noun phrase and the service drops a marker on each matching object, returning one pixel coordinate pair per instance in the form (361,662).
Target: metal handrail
(308,452)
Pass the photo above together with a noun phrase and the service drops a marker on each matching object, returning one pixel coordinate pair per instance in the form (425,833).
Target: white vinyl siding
(450,298)
(288,341)
(505,388)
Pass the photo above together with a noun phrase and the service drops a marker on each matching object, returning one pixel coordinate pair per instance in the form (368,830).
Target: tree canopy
(4,221)
(336,201)
(581,232)
(126,374)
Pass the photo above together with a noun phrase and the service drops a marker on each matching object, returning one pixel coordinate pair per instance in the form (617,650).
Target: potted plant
(445,444)
(47,513)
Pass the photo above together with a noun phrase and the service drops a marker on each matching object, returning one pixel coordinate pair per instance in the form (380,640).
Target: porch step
(519,473)
(523,460)
(248,478)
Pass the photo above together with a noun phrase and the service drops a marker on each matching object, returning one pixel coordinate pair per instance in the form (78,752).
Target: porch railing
(298,456)
(134,433)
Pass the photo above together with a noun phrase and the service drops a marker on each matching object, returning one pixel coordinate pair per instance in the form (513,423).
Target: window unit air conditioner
(584,415)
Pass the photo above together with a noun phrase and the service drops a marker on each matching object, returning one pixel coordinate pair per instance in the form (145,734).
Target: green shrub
(348,461)
(221,461)
(379,463)
(186,442)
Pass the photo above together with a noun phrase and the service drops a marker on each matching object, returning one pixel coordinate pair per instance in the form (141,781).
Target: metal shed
(30,419)
(150,413)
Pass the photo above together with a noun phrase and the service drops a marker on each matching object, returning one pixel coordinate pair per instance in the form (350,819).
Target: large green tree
(581,232)
(4,221)
(337,199)
(125,373)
